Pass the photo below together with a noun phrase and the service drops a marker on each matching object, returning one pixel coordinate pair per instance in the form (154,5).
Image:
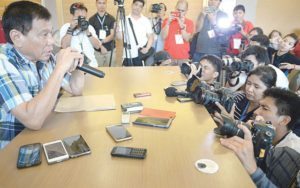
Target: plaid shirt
(20,81)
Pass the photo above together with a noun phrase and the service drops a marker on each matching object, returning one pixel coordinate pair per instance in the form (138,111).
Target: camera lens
(185,69)
(230,130)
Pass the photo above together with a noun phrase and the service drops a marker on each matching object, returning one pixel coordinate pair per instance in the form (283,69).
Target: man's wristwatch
(89,35)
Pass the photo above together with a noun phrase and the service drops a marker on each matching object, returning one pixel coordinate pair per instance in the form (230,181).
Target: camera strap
(130,23)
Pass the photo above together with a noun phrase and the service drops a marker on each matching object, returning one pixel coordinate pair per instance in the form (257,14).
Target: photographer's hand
(224,111)
(144,50)
(74,23)
(243,148)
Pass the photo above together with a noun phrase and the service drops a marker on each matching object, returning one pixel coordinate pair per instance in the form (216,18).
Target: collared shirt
(20,81)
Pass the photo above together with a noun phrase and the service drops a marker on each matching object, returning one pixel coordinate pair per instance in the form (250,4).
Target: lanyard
(101,21)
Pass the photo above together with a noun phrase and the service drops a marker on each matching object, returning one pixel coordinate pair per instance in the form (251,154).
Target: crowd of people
(31,75)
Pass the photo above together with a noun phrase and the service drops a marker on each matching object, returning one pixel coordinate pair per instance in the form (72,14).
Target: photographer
(177,32)
(207,40)
(160,11)
(246,102)
(237,39)
(258,56)
(104,23)
(282,162)
(79,34)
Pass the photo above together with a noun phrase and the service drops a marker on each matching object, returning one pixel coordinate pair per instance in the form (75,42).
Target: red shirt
(2,35)
(296,50)
(247,27)
(177,51)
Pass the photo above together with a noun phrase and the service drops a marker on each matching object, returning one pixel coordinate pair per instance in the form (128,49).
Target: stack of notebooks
(155,118)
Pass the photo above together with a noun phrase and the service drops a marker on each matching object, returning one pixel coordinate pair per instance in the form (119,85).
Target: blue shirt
(20,81)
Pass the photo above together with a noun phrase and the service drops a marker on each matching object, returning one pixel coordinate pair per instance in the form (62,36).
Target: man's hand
(243,148)
(103,50)
(287,66)
(144,50)
(74,23)
(68,59)
(218,117)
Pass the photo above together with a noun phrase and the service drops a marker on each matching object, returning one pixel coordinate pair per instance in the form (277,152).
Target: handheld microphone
(91,70)
(172,92)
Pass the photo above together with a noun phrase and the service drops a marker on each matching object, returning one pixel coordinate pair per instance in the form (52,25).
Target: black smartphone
(129,152)
(29,155)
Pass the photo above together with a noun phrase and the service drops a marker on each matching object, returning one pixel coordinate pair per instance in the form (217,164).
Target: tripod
(125,39)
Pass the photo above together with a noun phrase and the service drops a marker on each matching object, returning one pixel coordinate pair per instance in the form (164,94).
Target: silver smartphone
(118,133)
(55,152)
(76,146)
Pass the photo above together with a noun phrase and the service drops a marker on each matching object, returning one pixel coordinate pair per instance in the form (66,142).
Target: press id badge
(211,34)
(179,39)
(236,43)
(102,34)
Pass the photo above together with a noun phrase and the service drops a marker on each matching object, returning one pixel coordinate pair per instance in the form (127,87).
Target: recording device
(88,69)
(262,135)
(210,10)
(129,152)
(173,92)
(55,152)
(76,146)
(208,98)
(29,155)
(189,69)
(155,8)
(118,133)
(245,65)
(83,24)
(227,60)
(119,2)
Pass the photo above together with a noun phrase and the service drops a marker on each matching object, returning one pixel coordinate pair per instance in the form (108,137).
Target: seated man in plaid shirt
(282,162)
(30,77)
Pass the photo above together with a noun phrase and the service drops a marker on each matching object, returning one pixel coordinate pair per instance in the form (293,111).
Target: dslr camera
(262,135)
(207,97)
(83,24)
(119,2)
(245,65)
(155,8)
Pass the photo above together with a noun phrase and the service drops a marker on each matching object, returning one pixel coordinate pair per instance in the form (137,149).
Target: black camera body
(83,24)
(208,97)
(155,8)
(119,2)
(262,135)
(245,65)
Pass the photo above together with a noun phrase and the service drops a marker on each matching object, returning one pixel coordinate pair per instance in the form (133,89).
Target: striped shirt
(282,164)
(20,81)
(242,105)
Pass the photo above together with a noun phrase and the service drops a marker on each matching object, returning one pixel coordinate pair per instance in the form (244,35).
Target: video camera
(83,24)
(155,8)
(119,2)
(262,135)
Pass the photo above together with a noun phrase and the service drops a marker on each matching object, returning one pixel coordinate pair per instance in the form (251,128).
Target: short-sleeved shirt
(247,26)
(81,42)
(142,27)
(105,23)
(20,81)
(177,51)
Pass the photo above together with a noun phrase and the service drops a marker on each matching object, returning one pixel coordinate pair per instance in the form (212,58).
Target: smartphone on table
(29,155)
(118,133)
(129,152)
(55,152)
